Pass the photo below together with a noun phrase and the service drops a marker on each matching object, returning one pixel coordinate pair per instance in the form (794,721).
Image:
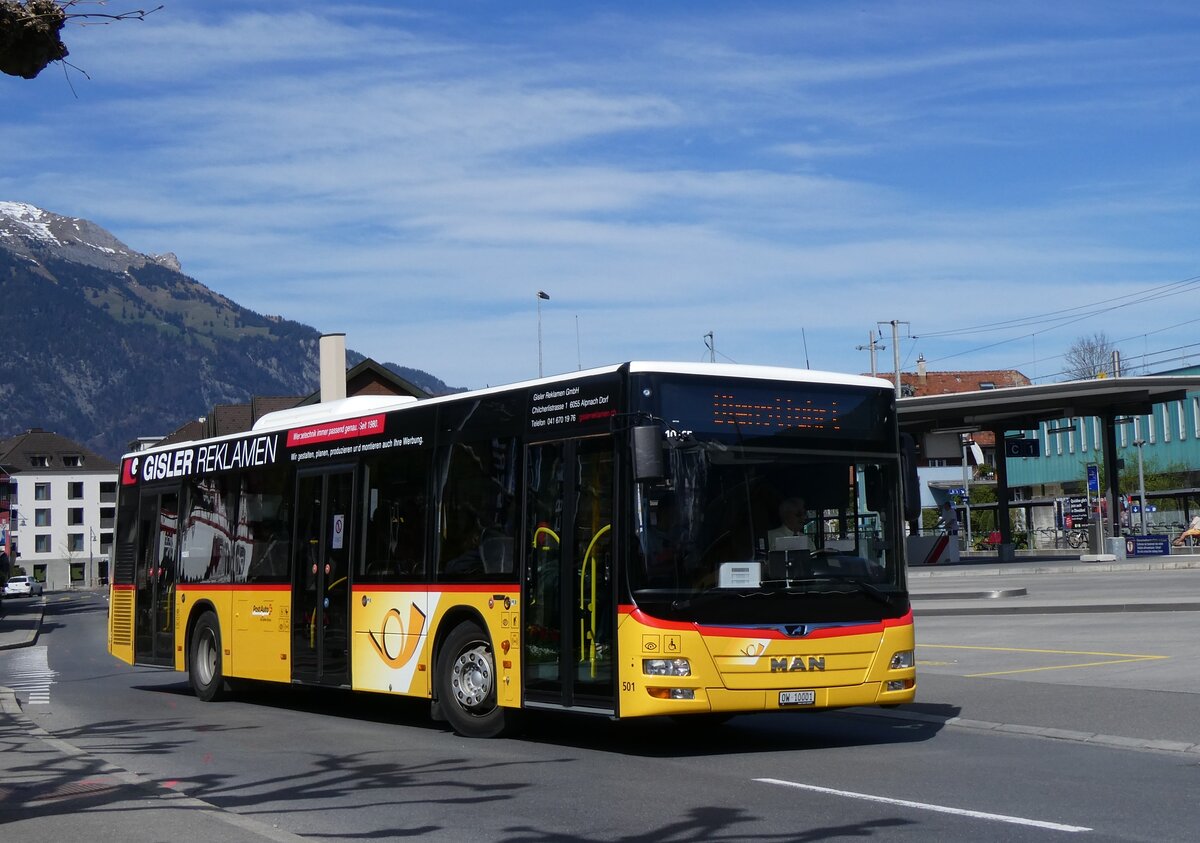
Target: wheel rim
(206,657)
(471,678)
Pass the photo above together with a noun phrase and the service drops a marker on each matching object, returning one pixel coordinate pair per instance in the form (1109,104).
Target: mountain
(103,344)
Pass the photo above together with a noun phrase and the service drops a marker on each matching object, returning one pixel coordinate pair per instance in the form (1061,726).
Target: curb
(31,636)
(989,608)
(1000,569)
(1093,738)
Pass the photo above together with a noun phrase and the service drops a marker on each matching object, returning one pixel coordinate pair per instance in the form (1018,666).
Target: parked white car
(22,587)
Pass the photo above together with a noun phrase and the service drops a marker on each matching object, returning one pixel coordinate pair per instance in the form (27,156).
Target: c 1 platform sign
(1147,545)
(1022,448)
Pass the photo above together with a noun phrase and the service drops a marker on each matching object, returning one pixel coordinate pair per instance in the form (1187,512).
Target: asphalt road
(1026,728)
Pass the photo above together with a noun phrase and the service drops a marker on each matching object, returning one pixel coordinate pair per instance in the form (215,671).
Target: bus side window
(479,510)
(397,493)
(264,528)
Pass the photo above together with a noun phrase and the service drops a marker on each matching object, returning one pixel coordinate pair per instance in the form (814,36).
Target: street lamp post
(966,442)
(1138,443)
(541,294)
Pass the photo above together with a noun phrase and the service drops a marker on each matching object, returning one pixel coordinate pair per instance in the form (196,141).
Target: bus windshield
(732,529)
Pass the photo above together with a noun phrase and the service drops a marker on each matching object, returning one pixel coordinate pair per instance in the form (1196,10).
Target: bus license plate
(797,697)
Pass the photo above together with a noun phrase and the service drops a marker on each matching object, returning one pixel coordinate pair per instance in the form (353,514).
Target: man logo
(394,644)
(797,663)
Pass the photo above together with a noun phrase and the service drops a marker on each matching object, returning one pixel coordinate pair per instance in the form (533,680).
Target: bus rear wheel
(204,660)
(466,685)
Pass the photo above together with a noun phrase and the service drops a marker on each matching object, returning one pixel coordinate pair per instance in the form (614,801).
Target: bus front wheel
(204,661)
(466,685)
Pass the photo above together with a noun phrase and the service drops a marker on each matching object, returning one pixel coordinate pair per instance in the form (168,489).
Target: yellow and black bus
(636,540)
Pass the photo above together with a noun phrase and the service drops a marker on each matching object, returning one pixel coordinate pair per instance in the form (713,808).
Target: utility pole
(895,323)
(872,346)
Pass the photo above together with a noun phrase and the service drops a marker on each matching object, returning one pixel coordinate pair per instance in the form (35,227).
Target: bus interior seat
(497,553)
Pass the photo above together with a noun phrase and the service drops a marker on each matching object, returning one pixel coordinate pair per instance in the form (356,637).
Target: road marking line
(1111,658)
(926,806)
(1057,667)
(1048,652)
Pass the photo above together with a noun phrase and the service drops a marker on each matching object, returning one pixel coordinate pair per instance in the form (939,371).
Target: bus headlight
(666,667)
(902,660)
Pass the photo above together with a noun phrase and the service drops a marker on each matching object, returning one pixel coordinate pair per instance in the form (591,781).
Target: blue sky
(1002,177)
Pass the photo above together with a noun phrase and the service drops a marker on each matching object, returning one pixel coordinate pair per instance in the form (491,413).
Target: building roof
(41,451)
(914,384)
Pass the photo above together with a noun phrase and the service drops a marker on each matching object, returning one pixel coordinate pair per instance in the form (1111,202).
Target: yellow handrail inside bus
(587,652)
(538,532)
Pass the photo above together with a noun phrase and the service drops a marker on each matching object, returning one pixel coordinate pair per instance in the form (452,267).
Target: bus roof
(360,404)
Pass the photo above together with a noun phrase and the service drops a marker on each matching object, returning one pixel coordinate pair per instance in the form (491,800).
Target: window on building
(75,516)
(1137,428)
(1166,422)
(39,461)
(41,544)
(1123,435)
(73,461)
(987,385)
(41,518)
(1095,434)
(75,491)
(75,542)
(1180,416)
(41,491)
(1083,437)
(108,492)
(1150,433)
(1196,416)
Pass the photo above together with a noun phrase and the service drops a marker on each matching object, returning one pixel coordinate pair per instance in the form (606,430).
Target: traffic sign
(1093,477)
(1022,448)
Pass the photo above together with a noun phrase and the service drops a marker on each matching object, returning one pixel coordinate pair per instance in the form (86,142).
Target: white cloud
(412,176)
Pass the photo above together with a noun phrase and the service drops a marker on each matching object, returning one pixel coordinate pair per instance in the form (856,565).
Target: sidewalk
(51,791)
(20,621)
(987,587)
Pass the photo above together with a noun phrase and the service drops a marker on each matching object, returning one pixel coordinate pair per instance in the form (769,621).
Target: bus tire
(204,660)
(466,685)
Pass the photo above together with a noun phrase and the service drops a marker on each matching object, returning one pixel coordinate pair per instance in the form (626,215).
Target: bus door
(568,593)
(320,590)
(154,578)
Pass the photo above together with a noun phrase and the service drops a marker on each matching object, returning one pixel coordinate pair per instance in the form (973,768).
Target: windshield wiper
(859,585)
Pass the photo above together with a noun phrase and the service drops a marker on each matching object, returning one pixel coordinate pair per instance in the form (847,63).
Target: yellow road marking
(1110,658)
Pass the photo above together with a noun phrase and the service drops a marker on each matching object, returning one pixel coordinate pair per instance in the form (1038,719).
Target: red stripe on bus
(747,632)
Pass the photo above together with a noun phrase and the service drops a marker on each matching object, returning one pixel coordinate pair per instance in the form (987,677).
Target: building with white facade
(58,504)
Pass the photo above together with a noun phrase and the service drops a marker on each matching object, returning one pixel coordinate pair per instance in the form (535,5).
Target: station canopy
(1019,408)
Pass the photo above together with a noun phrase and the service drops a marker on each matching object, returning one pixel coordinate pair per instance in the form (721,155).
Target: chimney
(333,367)
(921,368)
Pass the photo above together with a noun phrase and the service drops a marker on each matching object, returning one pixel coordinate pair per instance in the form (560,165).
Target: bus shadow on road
(661,737)
(653,737)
